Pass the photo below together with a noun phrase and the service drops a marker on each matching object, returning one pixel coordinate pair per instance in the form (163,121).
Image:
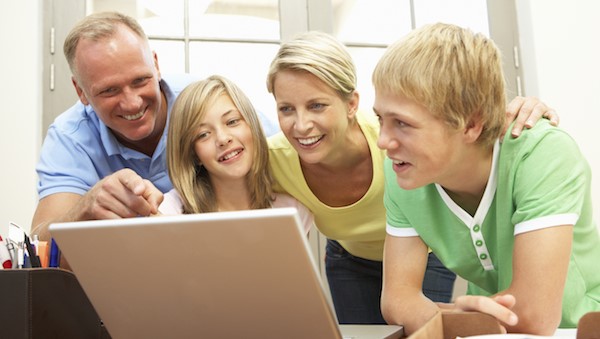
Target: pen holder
(46,303)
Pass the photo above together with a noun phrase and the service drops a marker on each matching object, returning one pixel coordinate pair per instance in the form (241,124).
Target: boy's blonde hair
(189,178)
(456,74)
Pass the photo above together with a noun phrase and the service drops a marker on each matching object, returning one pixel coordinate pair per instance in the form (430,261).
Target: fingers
(512,111)
(152,195)
(552,116)
(123,194)
(514,107)
(537,112)
(526,112)
(506,300)
(139,196)
(131,180)
(497,307)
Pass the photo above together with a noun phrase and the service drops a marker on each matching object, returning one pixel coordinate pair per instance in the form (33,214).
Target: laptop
(243,274)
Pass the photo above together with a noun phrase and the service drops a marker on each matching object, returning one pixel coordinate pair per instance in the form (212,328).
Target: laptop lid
(214,275)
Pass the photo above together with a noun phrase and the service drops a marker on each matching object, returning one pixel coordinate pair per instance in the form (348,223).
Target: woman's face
(312,115)
(224,143)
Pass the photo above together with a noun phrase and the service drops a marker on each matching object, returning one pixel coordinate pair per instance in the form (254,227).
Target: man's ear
(474,128)
(155,58)
(80,92)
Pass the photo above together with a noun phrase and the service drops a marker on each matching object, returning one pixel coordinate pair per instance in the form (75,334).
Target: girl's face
(423,148)
(312,115)
(224,143)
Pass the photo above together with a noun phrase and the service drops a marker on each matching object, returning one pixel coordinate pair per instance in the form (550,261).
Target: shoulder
(75,118)
(306,217)
(542,144)
(368,122)
(285,200)
(283,158)
(171,203)
(278,142)
(541,135)
(79,125)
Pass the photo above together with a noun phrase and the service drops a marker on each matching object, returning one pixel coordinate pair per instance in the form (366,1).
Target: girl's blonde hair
(189,178)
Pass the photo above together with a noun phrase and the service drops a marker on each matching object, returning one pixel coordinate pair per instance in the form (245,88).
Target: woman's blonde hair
(319,54)
(189,178)
(456,74)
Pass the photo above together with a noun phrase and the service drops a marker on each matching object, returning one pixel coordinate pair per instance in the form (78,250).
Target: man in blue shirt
(105,156)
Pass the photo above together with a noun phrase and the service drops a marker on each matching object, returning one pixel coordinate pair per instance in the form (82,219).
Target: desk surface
(559,334)
(372,331)
(566,333)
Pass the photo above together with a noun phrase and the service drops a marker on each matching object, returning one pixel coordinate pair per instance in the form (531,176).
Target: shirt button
(476,228)
(479,243)
(483,256)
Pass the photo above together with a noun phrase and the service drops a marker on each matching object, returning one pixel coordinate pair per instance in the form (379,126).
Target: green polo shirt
(538,180)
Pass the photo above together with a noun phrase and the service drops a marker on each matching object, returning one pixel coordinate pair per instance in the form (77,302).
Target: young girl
(217,154)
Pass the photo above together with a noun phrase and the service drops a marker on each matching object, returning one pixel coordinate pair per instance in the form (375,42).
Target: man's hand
(123,194)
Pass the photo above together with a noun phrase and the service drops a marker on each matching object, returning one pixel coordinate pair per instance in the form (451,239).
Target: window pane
(365,60)
(466,13)
(244,63)
(171,56)
(363,21)
(235,19)
(157,17)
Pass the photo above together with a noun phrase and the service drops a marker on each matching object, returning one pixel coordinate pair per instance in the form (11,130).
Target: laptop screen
(213,275)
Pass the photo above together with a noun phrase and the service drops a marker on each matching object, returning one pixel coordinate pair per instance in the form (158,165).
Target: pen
(54,254)
(34,260)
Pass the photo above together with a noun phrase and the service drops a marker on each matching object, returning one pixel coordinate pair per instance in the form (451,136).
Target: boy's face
(423,148)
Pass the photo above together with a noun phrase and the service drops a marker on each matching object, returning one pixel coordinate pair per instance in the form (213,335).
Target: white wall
(20,113)
(561,63)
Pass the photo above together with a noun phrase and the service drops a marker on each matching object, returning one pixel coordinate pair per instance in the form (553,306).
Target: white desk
(565,333)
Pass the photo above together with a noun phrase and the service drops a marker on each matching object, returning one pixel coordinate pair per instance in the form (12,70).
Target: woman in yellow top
(327,158)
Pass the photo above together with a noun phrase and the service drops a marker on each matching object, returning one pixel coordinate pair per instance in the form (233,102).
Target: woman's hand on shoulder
(526,111)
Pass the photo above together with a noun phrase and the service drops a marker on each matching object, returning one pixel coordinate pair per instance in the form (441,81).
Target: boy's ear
(474,128)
